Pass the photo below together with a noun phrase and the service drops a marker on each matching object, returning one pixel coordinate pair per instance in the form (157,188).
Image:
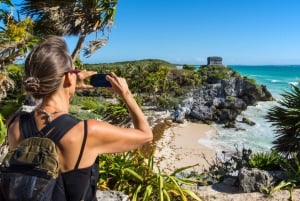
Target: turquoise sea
(277,78)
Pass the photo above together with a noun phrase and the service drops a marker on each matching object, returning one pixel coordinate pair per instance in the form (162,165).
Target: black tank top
(77,183)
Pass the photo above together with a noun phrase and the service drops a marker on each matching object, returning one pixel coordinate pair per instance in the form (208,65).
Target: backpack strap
(55,130)
(82,145)
(27,125)
(61,125)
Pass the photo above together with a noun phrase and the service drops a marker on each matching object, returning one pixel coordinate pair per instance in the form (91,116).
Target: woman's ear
(67,80)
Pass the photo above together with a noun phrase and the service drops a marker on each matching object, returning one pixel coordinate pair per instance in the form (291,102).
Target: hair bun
(32,84)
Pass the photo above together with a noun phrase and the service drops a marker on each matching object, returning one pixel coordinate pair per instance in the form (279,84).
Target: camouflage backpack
(31,170)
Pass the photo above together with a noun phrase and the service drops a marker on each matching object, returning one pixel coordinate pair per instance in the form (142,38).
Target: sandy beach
(185,144)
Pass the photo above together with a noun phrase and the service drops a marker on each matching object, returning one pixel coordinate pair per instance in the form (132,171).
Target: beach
(185,145)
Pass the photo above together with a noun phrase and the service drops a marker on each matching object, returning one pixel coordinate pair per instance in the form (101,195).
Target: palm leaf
(285,117)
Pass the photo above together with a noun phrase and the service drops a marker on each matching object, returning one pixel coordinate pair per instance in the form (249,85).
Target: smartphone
(98,80)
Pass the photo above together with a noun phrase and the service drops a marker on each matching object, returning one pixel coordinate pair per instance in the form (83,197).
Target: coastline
(185,145)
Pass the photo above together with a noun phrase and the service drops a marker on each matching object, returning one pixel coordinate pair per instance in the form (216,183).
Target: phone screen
(98,80)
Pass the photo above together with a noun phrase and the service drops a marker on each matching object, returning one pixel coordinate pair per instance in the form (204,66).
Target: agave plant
(267,160)
(285,117)
(138,177)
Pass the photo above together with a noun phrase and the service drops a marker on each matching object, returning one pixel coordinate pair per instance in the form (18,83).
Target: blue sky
(246,32)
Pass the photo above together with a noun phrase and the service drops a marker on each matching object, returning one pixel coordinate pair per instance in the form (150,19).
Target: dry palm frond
(93,46)
(5,84)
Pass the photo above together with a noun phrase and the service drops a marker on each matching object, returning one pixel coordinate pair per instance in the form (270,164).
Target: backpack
(31,170)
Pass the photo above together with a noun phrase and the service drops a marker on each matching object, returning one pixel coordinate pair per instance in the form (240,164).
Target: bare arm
(120,86)
(107,138)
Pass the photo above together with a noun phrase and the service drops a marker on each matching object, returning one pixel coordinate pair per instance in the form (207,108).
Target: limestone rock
(111,196)
(220,100)
(254,180)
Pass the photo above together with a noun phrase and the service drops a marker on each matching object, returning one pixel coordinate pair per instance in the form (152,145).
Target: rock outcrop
(221,101)
(255,180)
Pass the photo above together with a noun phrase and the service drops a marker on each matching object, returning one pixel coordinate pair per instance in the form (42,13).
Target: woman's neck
(53,106)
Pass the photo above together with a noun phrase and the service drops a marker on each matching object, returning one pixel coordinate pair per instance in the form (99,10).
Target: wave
(294,83)
(275,81)
(258,137)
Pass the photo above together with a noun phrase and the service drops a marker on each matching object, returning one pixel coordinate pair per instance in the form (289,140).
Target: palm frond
(93,46)
(285,117)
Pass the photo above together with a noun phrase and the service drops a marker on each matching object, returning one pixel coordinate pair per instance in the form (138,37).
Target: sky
(242,32)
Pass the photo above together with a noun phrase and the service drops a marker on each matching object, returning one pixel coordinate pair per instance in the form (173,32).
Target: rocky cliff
(221,100)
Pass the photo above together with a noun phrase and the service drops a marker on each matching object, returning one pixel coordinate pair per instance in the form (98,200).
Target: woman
(50,76)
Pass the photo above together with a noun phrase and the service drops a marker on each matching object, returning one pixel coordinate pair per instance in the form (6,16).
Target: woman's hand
(119,84)
(81,76)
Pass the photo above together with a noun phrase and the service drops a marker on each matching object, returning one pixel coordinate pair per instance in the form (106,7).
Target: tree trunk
(78,46)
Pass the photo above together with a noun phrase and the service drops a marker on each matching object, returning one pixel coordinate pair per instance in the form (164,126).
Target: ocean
(278,79)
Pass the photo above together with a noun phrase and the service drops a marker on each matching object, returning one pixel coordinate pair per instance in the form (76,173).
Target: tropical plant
(16,34)
(2,129)
(226,164)
(137,177)
(267,160)
(280,186)
(292,169)
(73,17)
(285,117)
(188,67)
(116,113)
(16,38)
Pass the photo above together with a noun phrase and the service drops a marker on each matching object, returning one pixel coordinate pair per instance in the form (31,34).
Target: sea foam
(258,137)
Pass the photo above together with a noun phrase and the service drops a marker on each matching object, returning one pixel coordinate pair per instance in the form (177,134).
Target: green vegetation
(2,129)
(230,98)
(285,117)
(188,67)
(267,161)
(226,165)
(59,18)
(252,81)
(138,177)
(41,18)
(156,82)
(212,73)
(292,170)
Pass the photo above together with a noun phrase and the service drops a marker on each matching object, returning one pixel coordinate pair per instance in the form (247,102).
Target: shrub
(292,169)
(137,177)
(168,102)
(267,160)
(227,164)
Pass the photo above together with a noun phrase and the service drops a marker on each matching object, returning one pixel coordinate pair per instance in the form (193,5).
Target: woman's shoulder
(14,117)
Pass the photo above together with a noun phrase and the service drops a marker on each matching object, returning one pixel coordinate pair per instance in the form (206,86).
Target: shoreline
(185,145)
